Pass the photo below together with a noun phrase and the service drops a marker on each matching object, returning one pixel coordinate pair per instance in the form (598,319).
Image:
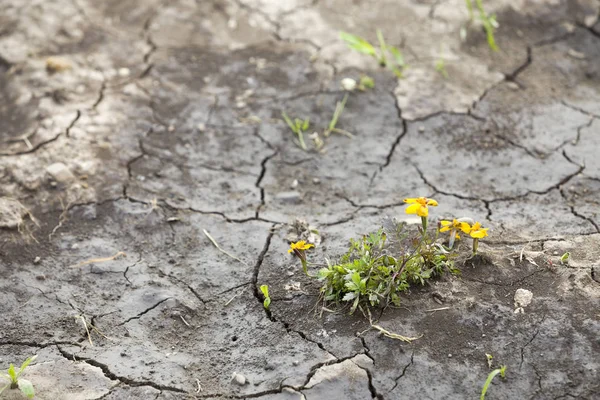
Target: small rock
(294,184)
(37,260)
(348,84)
(238,379)
(576,54)
(57,64)
(421,129)
(316,181)
(590,20)
(288,197)
(123,72)
(513,86)
(201,127)
(296,363)
(522,298)
(449,355)
(75,246)
(60,172)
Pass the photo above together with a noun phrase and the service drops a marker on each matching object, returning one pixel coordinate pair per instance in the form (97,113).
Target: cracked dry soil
(153,135)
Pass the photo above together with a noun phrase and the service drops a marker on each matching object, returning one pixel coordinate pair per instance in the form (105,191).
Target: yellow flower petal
(445,229)
(432,202)
(413,209)
(445,223)
(410,200)
(476,226)
(479,234)
(423,211)
(465,227)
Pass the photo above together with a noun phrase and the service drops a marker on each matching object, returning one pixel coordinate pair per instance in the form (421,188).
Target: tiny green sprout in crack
(564,259)
(387,56)
(501,371)
(298,126)
(381,265)
(16,382)
(265,291)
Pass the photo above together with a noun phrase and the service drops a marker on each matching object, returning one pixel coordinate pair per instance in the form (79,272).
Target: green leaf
(564,259)
(349,296)
(356,279)
(265,290)
(289,122)
(366,82)
(25,364)
(397,55)
(491,376)
(11,373)
(359,44)
(267,303)
(27,388)
(306,124)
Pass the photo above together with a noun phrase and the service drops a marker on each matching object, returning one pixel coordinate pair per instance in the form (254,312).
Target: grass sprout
(16,382)
(387,56)
(339,109)
(265,291)
(488,21)
(298,126)
(488,381)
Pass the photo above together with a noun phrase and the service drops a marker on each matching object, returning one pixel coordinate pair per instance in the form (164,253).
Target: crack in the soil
(537,331)
(390,154)
(112,376)
(263,171)
(397,380)
(187,285)
(138,316)
(575,213)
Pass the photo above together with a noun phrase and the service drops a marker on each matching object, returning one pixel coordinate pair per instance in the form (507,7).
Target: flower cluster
(420,207)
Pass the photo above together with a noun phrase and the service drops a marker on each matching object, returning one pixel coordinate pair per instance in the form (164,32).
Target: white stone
(60,172)
(523,297)
(348,84)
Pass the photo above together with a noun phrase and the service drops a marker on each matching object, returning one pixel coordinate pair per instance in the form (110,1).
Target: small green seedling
(387,56)
(440,66)
(265,291)
(564,259)
(501,371)
(366,82)
(297,126)
(339,108)
(15,380)
(488,21)
(489,358)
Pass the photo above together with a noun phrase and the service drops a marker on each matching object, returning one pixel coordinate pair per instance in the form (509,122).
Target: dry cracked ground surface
(167,123)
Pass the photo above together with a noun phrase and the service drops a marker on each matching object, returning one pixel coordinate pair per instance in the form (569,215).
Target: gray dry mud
(167,124)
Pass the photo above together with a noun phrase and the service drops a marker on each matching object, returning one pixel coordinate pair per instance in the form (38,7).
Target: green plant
(564,259)
(297,126)
(265,291)
(440,66)
(366,82)
(339,108)
(387,56)
(488,21)
(15,380)
(501,371)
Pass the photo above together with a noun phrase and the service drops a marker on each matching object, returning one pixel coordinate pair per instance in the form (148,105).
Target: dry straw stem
(385,332)
(99,260)
(214,242)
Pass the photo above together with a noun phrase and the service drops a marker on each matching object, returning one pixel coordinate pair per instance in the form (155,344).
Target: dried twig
(99,260)
(214,242)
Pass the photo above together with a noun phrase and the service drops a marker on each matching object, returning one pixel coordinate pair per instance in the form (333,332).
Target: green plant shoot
(297,126)
(339,108)
(501,371)
(16,382)
(395,63)
(265,291)
(564,259)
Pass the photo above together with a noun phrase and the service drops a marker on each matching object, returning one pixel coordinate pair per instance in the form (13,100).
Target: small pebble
(239,379)
(296,363)
(37,260)
(316,181)
(123,72)
(449,355)
(294,184)
(421,129)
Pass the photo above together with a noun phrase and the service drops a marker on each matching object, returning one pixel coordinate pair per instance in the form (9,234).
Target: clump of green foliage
(16,382)
(488,21)
(382,264)
(386,55)
(298,126)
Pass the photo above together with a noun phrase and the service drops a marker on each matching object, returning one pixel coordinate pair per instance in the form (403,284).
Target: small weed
(265,291)
(339,108)
(564,259)
(16,382)
(501,371)
(387,56)
(297,126)
(440,66)
(488,21)
(381,265)
(366,82)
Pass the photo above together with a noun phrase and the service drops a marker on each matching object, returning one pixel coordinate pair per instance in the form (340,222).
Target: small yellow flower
(301,245)
(419,205)
(455,225)
(477,232)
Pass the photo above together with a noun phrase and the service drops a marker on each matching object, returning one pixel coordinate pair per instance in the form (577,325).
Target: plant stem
(475,245)
(424,223)
(301,140)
